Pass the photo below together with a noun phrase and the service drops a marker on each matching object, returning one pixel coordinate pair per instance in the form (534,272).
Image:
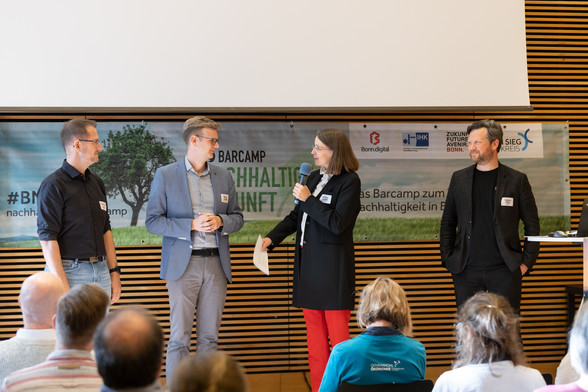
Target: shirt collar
(381,331)
(36,334)
(190,168)
(72,171)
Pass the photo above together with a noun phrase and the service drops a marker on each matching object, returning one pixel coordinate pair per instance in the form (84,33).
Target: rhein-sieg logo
(516,144)
(375,140)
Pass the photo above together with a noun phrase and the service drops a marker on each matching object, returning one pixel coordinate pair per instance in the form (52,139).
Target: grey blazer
(169,214)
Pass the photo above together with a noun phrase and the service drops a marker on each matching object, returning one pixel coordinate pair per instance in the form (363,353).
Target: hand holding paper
(260,257)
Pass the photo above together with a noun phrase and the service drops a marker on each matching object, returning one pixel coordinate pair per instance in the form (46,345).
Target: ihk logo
(374,138)
(415,139)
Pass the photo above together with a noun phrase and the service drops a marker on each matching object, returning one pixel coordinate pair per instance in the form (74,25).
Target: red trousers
(322,326)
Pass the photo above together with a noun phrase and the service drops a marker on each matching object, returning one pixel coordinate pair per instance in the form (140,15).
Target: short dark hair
(494,130)
(75,129)
(193,125)
(79,311)
(129,348)
(343,158)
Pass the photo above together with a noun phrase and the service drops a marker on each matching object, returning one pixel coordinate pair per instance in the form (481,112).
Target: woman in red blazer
(324,261)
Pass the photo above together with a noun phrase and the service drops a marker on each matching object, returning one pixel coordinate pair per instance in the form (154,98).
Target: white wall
(262,54)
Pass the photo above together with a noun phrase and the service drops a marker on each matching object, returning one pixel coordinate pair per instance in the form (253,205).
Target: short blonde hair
(193,125)
(384,299)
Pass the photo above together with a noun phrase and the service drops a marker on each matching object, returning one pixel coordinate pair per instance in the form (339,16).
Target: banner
(405,170)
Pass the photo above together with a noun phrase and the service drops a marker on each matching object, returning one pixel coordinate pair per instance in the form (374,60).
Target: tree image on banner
(128,162)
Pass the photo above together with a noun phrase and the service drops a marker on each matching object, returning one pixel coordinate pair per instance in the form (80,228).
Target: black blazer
(324,268)
(456,223)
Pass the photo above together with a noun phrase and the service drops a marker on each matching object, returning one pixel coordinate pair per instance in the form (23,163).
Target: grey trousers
(203,287)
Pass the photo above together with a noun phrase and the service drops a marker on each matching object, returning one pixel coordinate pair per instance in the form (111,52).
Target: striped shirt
(73,370)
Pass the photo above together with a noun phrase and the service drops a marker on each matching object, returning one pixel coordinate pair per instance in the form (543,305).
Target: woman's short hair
(343,158)
(487,331)
(212,371)
(579,341)
(384,299)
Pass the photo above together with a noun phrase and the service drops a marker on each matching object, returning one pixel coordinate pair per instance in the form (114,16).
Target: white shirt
(317,190)
(499,376)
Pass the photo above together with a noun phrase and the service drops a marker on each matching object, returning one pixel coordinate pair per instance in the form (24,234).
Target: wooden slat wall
(267,335)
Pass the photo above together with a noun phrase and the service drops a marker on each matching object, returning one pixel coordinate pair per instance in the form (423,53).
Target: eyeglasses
(319,149)
(213,141)
(95,141)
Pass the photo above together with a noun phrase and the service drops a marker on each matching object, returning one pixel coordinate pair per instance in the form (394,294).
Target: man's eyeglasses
(320,148)
(95,141)
(213,141)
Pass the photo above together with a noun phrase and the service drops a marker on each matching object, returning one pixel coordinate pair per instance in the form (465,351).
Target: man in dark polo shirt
(72,215)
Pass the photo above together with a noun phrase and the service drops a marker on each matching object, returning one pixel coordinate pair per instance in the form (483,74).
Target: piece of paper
(260,258)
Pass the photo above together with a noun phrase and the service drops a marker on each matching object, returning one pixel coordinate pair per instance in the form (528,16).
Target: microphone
(305,170)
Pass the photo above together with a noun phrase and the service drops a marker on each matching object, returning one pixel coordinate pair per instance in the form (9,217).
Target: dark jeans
(498,280)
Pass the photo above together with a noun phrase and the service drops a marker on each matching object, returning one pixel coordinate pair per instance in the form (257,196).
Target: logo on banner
(415,139)
(517,144)
(527,140)
(374,141)
(374,138)
(457,141)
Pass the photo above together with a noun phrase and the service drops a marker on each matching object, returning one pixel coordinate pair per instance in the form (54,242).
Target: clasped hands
(206,222)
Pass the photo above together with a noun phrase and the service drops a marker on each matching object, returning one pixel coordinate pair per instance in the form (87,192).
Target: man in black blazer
(479,239)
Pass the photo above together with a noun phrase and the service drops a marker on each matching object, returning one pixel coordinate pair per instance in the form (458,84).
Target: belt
(88,259)
(206,252)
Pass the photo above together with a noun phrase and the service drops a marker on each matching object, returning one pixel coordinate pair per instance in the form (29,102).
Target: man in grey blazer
(479,237)
(193,205)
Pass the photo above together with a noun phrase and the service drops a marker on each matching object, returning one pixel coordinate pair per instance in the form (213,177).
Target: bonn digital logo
(415,139)
(374,138)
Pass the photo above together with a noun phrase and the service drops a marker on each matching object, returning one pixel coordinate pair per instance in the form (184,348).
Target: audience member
(212,371)
(382,353)
(71,365)
(565,372)
(489,351)
(38,298)
(129,348)
(578,353)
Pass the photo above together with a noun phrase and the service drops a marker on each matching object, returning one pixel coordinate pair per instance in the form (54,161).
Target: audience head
(384,299)
(76,128)
(494,130)
(212,371)
(343,158)
(38,298)
(129,348)
(79,312)
(579,341)
(194,125)
(487,331)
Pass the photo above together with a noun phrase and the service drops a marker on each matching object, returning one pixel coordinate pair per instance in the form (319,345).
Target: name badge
(507,202)
(326,199)
(102,205)
(224,198)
